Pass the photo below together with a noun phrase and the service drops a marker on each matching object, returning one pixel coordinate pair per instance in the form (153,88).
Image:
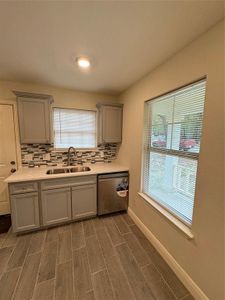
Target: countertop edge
(37,177)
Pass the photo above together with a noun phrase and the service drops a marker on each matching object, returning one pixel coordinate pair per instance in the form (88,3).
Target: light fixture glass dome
(83,62)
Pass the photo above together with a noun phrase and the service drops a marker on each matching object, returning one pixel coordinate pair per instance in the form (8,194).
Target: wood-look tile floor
(103,258)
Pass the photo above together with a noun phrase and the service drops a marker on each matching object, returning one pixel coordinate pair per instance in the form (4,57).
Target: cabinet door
(56,206)
(111,124)
(84,201)
(34,120)
(25,211)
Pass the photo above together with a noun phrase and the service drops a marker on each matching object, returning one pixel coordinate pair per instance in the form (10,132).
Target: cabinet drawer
(69,181)
(23,187)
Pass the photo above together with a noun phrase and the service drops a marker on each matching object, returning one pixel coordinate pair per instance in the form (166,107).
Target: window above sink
(74,127)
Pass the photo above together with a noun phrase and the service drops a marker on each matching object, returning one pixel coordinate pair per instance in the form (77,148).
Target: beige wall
(62,97)
(203,257)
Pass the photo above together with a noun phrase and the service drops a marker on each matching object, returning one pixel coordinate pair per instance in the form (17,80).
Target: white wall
(203,257)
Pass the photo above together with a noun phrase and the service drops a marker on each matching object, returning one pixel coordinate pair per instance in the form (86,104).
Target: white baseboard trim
(193,288)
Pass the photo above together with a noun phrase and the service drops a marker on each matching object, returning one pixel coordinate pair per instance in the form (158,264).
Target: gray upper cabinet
(34,113)
(110,123)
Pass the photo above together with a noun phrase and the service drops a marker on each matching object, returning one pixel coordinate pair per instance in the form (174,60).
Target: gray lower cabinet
(84,201)
(37,204)
(56,206)
(25,211)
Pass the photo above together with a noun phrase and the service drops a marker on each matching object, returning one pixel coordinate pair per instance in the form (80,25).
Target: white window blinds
(172,136)
(73,127)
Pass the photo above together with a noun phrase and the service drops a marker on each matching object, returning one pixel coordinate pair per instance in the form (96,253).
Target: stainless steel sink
(79,169)
(68,170)
(58,171)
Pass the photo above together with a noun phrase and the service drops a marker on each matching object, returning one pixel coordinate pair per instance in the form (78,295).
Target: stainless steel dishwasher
(112,192)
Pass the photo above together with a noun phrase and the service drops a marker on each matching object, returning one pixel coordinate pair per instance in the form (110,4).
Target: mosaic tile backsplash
(45,154)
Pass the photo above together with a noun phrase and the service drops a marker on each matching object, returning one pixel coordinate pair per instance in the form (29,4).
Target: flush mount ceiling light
(83,62)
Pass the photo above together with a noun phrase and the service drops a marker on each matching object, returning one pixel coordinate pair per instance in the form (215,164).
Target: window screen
(172,136)
(73,127)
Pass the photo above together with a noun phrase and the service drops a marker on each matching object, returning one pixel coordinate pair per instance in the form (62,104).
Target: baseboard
(193,288)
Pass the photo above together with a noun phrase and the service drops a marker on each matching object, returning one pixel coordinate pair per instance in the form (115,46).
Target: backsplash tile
(44,154)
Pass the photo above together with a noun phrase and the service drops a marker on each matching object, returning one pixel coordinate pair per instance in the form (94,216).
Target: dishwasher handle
(112,175)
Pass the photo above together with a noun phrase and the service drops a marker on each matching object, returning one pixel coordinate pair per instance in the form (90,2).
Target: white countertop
(39,173)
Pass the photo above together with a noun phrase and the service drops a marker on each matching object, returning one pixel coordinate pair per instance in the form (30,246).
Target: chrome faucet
(69,155)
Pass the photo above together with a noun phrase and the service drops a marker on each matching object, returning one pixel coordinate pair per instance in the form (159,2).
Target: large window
(74,127)
(173,127)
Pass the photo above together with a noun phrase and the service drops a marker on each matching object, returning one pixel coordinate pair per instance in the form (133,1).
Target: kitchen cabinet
(25,211)
(64,199)
(56,206)
(84,201)
(34,112)
(44,203)
(110,123)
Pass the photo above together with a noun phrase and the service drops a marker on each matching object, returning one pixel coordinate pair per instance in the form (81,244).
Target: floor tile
(64,247)
(188,297)
(8,283)
(4,258)
(105,243)
(45,290)
(37,241)
(82,274)
(89,229)
(169,276)
(159,288)
(113,232)
(98,223)
(102,286)
(95,256)
(26,284)
(64,282)
(121,287)
(127,219)
(143,241)
(63,228)
(78,240)
(10,240)
(107,258)
(136,249)
(90,296)
(18,256)
(133,273)
(52,234)
(121,224)
(48,261)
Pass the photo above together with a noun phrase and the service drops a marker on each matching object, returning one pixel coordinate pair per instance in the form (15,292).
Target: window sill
(181,226)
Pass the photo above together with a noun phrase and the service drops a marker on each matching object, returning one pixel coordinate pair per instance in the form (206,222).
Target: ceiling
(124,39)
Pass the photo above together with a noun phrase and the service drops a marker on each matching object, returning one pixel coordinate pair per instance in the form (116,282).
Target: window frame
(147,149)
(81,149)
